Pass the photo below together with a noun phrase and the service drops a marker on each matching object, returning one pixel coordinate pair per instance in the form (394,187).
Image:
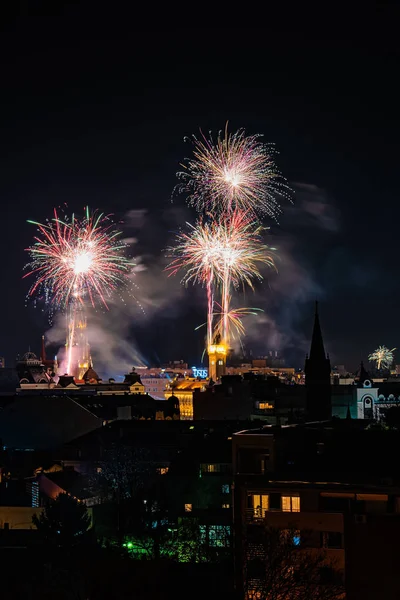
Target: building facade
(303,480)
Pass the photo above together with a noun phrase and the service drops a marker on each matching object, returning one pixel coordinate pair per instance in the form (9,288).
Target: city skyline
(198,342)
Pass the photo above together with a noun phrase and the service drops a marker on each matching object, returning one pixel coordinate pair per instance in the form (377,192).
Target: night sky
(93,112)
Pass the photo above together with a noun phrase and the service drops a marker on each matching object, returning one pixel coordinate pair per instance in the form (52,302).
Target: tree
(119,477)
(147,520)
(281,566)
(391,417)
(187,544)
(122,471)
(64,521)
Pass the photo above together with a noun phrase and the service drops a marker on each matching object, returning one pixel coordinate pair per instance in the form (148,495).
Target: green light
(130,545)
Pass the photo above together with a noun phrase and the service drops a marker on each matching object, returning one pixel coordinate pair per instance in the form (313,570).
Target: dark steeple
(318,376)
(317,350)
(363,376)
(91,376)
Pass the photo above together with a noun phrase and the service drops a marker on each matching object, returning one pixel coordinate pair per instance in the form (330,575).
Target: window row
(262,503)
(216,468)
(189,506)
(322,539)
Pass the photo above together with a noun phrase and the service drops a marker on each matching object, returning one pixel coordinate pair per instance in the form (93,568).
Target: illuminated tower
(217,359)
(77,345)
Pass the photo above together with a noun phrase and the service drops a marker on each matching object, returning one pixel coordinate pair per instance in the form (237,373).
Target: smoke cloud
(117,336)
(307,229)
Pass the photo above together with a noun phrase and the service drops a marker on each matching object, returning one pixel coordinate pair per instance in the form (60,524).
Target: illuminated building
(217,359)
(183,390)
(31,371)
(155,385)
(77,345)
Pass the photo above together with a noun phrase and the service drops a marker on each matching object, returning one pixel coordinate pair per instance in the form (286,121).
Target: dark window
(265,463)
(328,576)
(329,504)
(331,539)
(249,461)
(359,507)
(275,501)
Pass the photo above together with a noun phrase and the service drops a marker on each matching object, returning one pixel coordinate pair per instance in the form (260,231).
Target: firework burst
(215,250)
(77,258)
(221,255)
(383,357)
(234,172)
(72,260)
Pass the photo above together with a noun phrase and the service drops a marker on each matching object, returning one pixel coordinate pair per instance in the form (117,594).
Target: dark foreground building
(337,486)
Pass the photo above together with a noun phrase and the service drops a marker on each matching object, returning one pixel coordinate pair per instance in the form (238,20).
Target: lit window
(188,507)
(291,503)
(260,505)
(225,488)
(35,494)
(264,405)
(220,362)
(226,506)
(207,468)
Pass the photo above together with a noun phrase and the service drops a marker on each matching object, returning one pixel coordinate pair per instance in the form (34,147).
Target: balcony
(313,521)
(255,515)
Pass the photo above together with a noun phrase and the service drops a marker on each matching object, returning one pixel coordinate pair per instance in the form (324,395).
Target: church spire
(317,350)
(363,376)
(318,376)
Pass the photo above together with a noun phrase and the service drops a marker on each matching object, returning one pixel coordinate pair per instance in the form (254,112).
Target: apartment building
(329,486)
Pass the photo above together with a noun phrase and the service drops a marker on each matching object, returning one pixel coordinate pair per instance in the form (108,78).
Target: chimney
(43,352)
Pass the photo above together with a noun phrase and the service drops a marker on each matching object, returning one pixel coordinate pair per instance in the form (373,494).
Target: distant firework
(71,259)
(221,255)
(383,357)
(234,172)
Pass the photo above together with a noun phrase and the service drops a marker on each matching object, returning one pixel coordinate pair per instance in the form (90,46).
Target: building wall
(356,525)
(18,517)
(372,559)
(155,386)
